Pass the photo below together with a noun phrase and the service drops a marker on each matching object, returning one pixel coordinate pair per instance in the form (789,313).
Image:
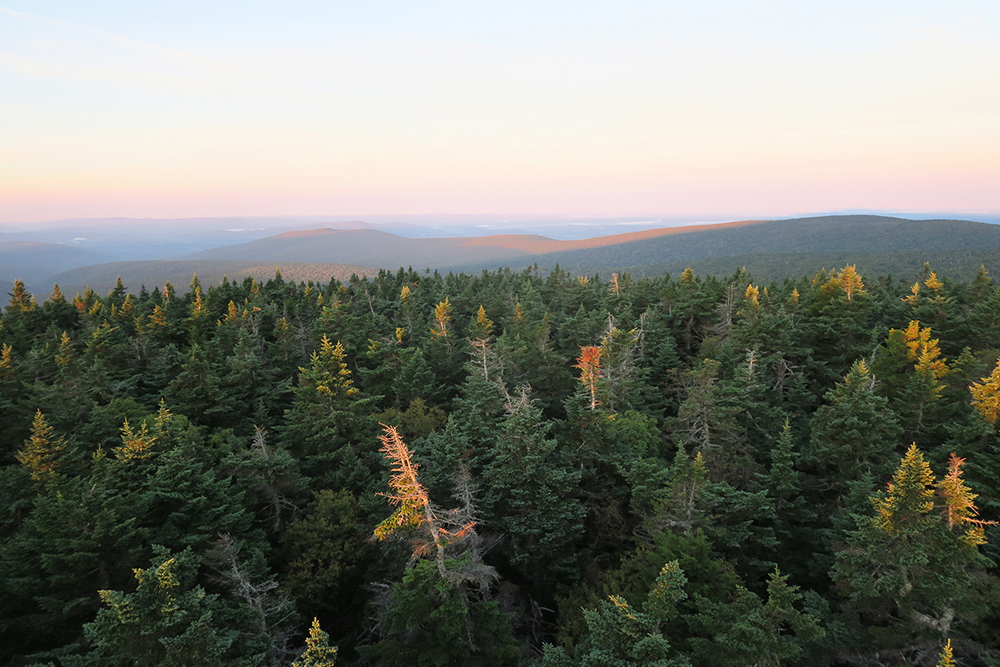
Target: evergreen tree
(318,652)
(912,571)
(747,630)
(167,620)
(853,433)
(621,635)
(529,493)
(321,554)
(42,453)
(441,612)
(327,419)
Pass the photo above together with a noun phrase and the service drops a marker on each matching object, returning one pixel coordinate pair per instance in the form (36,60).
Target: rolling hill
(772,248)
(768,248)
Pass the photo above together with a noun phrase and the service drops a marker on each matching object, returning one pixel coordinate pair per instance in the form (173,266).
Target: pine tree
(795,524)
(959,509)
(327,423)
(481,327)
(619,376)
(848,281)
(440,613)
(21,300)
(136,446)
(947,657)
(442,320)
(323,549)
(197,393)
(72,543)
(413,509)
(853,433)
(621,635)
(15,426)
(837,328)
(271,479)
(746,630)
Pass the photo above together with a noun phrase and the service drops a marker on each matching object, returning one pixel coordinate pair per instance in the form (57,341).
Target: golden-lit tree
(318,651)
(947,658)
(159,317)
(442,318)
(986,396)
(482,327)
(6,357)
(909,495)
(135,446)
(925,353)
(64,355)
(847,280)
(42,452)
(959,508)
(919,553)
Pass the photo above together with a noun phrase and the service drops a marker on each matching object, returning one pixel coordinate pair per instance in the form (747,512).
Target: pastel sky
(721,109)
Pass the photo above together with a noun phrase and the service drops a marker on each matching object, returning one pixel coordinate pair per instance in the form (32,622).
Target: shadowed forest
(503,469)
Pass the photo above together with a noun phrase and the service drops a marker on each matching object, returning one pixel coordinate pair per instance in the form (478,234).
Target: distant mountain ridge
(650,248)
(769,248)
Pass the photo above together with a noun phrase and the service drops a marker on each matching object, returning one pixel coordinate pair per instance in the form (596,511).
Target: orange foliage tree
(589,363)
(414,511)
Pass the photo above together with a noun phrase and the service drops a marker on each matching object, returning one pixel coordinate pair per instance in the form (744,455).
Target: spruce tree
(913,568)
(529,489)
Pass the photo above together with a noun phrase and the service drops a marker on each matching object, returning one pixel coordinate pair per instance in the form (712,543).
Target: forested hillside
(503,469)
(769,249)
(104,277)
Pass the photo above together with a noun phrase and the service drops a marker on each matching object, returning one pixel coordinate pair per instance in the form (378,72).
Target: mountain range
(769,249)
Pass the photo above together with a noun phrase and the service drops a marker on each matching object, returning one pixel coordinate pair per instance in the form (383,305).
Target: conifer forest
(505,468)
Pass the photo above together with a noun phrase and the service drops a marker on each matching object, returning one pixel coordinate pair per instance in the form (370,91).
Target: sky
(724,110)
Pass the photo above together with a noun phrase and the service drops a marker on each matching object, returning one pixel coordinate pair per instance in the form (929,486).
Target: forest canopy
(503,469)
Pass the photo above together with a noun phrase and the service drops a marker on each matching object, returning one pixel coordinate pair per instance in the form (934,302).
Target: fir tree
(42,453)
(986,396)
(905,567)
(529,490)
(318,652)
(166,621)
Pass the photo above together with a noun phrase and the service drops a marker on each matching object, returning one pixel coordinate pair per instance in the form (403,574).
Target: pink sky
(719,110)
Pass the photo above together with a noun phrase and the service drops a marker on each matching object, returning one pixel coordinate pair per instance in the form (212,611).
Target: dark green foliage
(529,494)
(733,431)
(747,630)
(168,621)
(914,570)
(428,621)
(622,636)
(321,552)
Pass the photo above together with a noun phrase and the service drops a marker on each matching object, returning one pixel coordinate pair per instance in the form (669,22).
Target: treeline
(503,469)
